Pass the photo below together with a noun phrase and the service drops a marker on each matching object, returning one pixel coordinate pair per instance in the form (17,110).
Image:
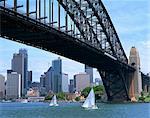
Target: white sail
(90,101)
(53,101)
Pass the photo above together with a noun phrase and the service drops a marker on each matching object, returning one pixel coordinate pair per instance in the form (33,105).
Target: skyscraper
(57,67)
(25,55)
(134,60)
(48,80)
(29,78)
(71,86)
(13,85)
(65,86)
(52,79)
(2,86)
(81,81)
(89,70)
(42,80)
(20,65)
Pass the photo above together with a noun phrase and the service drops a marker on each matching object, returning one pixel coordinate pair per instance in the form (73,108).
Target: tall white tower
(134,60)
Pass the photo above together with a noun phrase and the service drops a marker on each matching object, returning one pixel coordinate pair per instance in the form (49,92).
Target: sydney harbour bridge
(81,30)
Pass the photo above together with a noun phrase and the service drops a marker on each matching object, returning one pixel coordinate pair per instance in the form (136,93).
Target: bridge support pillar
(131,87)
(116,85)
(136,80)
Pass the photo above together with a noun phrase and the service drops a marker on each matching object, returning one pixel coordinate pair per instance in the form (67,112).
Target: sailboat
(53,101)
(90,101)
(24,101)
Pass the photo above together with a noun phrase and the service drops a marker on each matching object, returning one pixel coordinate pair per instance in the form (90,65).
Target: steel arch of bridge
(99,27)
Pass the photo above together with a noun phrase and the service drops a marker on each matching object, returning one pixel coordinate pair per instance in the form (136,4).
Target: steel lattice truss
(92,23)
(95,26)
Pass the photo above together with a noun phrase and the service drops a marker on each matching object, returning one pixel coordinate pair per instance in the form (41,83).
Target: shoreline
(63,101)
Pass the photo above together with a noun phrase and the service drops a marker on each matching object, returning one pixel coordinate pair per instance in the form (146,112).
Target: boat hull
(89,108)
(55,105)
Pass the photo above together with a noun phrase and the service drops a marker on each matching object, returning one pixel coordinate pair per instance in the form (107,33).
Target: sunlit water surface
(73,110)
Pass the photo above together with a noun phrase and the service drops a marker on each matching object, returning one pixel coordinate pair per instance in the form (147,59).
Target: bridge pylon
(135,77)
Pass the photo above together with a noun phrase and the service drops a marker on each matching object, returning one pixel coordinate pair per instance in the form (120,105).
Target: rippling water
(73,110)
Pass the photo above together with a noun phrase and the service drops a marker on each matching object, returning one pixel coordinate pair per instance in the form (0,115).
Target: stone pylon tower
(136,83)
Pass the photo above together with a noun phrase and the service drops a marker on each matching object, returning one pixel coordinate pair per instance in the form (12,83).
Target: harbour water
(74,110)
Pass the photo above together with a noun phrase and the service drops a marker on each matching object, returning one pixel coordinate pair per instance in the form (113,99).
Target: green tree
(85,91)
(48,97)
(61,96)
(98,90)
(77,98)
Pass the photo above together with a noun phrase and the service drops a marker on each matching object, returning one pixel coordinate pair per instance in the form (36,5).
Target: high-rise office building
(43,90)
(57,67)
(25,54)
(43,80)
(49,80)
(71,86)
(81,81)
(89,70)
(65,86)
(134,60)
(13,85)
(29,78)
(20,65)
(52,79)
(2,86)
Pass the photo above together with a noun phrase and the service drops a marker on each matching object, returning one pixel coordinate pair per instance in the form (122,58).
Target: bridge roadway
(20,28)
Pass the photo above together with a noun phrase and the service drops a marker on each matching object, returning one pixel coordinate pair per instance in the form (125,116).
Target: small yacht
(53,101)
(90,101)
(24,101)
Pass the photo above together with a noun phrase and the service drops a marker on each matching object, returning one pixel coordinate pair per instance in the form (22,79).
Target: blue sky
(131,19)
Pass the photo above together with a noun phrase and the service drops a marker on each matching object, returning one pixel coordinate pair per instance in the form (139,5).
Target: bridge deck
(17,27)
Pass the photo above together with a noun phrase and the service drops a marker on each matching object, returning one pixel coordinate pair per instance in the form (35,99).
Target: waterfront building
(20,65)
(136,84)
(36,99)
(33,92)
(81,81)
(65,86)
(71,96)
(89,70)
(71,86)
(2,86)
(13,85)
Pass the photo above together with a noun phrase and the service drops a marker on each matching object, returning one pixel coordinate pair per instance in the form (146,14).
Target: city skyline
(130,29)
